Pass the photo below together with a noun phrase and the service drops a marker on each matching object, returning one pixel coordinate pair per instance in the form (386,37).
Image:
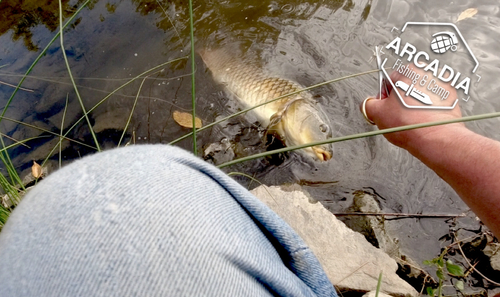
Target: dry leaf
(186,119)
(468,13)
(36,170)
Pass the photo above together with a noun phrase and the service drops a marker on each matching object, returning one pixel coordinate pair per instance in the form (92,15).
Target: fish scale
(250,84)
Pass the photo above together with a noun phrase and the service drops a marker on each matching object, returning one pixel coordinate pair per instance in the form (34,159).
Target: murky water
(307,41)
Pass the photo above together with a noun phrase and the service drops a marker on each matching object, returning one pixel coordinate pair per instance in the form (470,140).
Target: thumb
(373,109)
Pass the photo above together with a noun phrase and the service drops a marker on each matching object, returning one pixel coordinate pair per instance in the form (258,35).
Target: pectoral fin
(275,120)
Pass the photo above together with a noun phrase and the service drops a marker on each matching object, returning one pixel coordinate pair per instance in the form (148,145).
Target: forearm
(470,164)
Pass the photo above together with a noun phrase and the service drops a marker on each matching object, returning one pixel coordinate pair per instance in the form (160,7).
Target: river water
(306,41)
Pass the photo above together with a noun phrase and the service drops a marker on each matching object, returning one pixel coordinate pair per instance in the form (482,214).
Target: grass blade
(61,29)
(4,156)
(109,95)
(4,215)
(363,135)
(19,142)
(47,131)
(39,57)
(193,98)
(379,283)
(132,111)
(61,131)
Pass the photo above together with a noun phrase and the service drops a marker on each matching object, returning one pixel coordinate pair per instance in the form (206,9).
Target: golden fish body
(296,118)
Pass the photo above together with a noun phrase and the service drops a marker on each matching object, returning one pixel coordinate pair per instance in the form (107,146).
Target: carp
(298,119)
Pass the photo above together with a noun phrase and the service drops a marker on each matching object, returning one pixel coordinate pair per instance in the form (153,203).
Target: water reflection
(23,16)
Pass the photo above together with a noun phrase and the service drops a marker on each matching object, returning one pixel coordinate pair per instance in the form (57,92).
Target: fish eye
(323,128)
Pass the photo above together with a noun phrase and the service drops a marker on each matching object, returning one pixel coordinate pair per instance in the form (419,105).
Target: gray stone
(373,293)
(348,259)
(375,231)
(41,151)
(372,227)
(219,152)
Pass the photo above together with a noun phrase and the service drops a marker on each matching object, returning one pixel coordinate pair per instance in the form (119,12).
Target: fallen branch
(399,215)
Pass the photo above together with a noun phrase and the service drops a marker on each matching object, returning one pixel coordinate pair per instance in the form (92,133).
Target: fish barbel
(297,118)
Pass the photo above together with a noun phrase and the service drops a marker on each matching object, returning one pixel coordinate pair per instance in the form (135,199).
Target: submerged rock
(492,250)
(372,227)
(114,119)
(349,260)
(374,230)
(219,152)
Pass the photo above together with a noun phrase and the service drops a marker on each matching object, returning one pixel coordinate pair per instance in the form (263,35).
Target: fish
(298,119)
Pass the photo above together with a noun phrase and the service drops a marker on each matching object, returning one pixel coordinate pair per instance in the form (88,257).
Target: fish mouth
(322,154)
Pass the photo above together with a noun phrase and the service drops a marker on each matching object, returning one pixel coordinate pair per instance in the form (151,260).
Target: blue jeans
(151,220)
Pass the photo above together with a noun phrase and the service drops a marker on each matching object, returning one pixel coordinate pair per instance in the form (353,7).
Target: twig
(423,286)
(467,260)
(402,215)
(13,139)
(14,86)
(470,269)
(462,240)
(171,23)
(427,275)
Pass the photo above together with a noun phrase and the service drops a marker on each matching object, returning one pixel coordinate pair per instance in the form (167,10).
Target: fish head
(305,122)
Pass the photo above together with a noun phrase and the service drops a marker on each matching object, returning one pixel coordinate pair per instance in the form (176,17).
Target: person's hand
(390,112)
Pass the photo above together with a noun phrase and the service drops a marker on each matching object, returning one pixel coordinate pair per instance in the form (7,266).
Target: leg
(151,221)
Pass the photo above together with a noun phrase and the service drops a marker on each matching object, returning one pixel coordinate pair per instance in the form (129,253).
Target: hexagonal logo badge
(433,51)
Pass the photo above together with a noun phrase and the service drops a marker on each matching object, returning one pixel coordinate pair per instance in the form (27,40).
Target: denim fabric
(151,220)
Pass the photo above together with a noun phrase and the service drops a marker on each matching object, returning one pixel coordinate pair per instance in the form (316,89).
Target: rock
(219,152)
(374,230)
(24,132)
(348,259)
(373,293)
(372,227)
(40,152)
(115,119)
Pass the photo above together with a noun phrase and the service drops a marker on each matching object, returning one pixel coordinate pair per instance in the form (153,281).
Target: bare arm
(468,162)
